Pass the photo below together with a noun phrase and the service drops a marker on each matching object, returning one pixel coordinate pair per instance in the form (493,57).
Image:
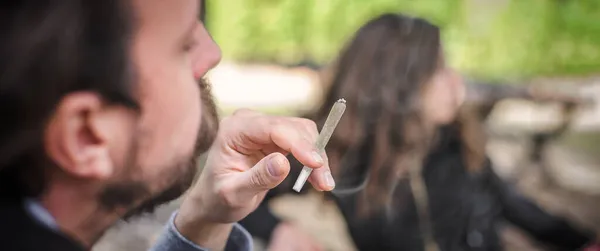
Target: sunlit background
(275,52)
(504,40)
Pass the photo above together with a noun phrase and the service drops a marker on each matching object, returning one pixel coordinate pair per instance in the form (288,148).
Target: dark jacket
(20,232)
(467,210)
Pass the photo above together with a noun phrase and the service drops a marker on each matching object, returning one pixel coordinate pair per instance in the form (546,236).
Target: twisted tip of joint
(343,101)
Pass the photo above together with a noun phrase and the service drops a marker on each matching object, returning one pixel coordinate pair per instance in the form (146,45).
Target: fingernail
(274,166)
(329,180)
(317,157)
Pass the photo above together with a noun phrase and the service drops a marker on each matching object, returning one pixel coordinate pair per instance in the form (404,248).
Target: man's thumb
(268,172)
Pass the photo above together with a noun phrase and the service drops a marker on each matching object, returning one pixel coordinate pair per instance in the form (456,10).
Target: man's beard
(181,174)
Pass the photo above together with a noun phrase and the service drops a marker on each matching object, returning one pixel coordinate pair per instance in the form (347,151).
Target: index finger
(257,132)
(290,138)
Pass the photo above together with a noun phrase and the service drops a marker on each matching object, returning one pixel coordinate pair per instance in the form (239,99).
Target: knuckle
(244,115)
(267,121)
(310,125)
(277,126)
(307,128)
(274,121)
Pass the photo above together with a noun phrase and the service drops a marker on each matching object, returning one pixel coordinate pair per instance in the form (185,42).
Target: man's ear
(83,132)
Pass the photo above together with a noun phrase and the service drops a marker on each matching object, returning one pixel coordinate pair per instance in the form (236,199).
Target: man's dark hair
(48,50)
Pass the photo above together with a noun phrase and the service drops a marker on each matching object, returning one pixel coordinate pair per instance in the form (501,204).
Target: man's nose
(207,54)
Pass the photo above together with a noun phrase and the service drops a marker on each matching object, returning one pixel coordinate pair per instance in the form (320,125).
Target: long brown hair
(382,73)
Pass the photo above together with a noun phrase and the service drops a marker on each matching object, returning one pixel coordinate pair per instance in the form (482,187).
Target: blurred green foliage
(503,38)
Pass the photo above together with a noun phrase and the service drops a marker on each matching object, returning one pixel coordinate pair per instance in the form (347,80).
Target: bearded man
(104,112)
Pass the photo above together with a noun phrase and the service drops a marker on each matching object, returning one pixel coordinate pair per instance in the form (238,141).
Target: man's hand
(287,237)
(245,161)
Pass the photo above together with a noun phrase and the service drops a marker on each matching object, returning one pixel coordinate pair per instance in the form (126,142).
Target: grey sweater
(170,239)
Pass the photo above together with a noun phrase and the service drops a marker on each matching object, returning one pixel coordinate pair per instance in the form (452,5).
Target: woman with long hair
(409,158)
